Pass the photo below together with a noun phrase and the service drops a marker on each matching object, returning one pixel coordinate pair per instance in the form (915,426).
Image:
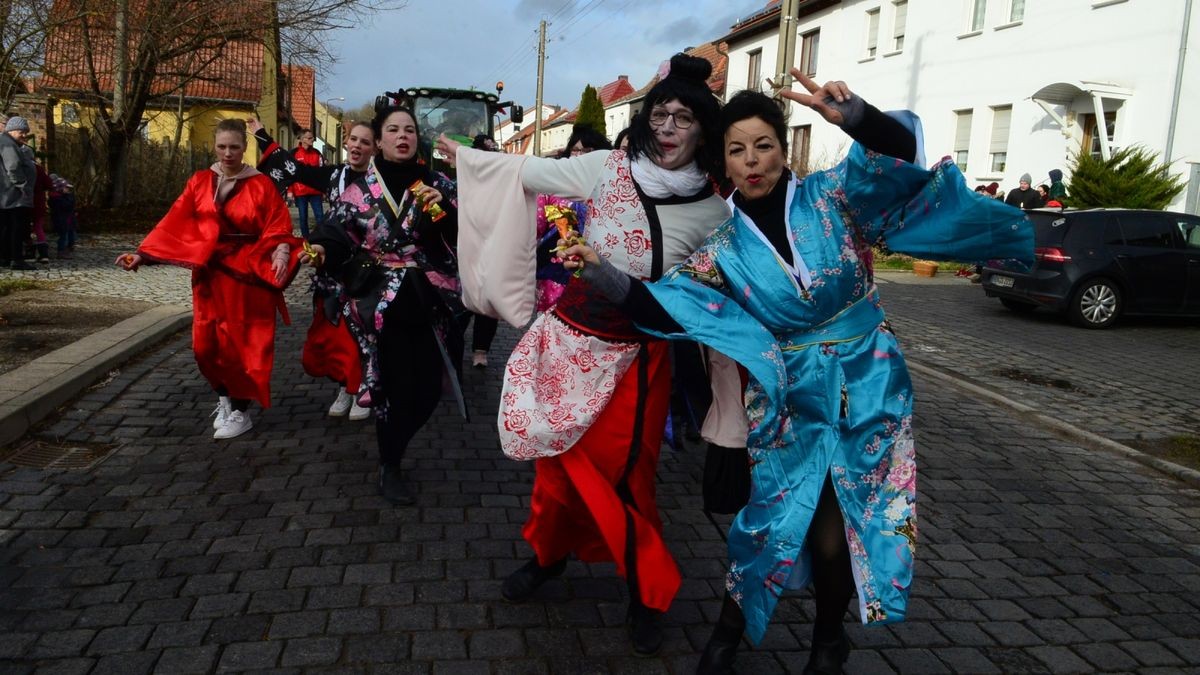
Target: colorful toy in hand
(564,219)
(310,252)
(435,211)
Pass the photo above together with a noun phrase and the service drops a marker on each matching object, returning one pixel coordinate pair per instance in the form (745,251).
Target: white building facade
(1006,87)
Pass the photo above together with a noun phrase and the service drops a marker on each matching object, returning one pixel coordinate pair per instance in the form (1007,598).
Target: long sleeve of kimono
(927,213)
(331,234)
(181,238)
(283,169)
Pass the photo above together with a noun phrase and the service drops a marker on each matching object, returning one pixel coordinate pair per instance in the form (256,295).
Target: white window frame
(1012,8)
(977,15)
(962,141)
(899,24)
(810,46)
(754,70)
(871,49)
(1001,130)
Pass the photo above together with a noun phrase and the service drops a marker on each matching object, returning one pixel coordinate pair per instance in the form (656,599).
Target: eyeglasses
(683,118)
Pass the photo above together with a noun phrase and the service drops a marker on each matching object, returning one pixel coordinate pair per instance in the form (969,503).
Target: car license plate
(1002,281)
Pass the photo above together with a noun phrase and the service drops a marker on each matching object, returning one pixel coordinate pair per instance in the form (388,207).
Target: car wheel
(1018,306)
(1096,304)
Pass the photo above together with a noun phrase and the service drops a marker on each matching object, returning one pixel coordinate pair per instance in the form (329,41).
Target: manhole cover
(69,456)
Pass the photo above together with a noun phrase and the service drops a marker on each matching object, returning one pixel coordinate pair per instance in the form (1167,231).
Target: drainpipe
(1183,38)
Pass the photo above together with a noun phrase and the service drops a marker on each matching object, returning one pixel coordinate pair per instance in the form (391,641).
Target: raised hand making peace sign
(834,101)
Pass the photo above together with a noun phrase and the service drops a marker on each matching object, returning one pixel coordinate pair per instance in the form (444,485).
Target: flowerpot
(924,268)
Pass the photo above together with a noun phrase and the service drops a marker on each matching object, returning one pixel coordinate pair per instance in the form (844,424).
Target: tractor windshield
(459,118)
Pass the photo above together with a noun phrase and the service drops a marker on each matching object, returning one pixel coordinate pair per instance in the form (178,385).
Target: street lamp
(338,137)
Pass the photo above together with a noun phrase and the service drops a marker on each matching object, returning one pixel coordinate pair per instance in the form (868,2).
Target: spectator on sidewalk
(1024,197)
(13,181)
(62,215)
(305,196)
(41,192)
(1058,189)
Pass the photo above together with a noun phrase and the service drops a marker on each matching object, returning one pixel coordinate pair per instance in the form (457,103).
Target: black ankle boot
(520,585)
(645,631)
(722,646)
(828,655)
(393,487)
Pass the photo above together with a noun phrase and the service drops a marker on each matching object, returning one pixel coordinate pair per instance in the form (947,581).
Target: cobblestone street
(274,553)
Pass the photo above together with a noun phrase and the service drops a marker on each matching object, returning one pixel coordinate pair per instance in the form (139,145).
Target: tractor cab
(461,114)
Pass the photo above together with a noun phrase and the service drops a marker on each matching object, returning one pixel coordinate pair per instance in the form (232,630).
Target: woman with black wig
(585,393)
(398,265)
(786,289)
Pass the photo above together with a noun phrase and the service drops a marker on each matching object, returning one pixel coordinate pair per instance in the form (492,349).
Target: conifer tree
(591,111)
(1130,178)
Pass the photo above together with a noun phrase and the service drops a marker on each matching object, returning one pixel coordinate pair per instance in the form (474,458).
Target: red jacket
(312,158)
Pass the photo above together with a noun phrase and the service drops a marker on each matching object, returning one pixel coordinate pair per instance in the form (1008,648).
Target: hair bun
(691,68)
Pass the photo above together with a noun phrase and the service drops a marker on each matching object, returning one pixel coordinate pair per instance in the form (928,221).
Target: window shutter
(962,131)
(1001,121)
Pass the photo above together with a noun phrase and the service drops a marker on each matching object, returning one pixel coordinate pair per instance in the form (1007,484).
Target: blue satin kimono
(828,390)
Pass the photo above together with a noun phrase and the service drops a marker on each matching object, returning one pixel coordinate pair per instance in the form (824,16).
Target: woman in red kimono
(232,229)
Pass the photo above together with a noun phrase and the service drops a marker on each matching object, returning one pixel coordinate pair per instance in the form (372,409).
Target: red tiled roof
(301,88)
(614,90)
(232,72)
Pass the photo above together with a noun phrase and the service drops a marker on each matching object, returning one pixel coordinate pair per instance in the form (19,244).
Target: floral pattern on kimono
(829,393)
(364,209)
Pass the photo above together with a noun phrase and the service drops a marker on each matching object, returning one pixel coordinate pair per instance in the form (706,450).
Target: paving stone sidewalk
(273,552)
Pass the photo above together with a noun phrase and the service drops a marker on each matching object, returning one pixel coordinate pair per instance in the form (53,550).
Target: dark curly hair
(686,83)
(746,104)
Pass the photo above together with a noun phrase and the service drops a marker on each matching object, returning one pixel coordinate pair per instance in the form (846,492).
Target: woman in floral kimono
(329,348)
(585,393)
(232,229)
(398,265)
(785,289)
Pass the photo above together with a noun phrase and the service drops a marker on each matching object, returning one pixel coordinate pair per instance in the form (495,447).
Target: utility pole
(537,119)
(787,44)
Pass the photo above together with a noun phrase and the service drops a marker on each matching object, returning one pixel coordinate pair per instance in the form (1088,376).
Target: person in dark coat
(1024,197)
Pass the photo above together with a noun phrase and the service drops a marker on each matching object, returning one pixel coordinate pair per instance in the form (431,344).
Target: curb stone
(35,390)
(1183,473)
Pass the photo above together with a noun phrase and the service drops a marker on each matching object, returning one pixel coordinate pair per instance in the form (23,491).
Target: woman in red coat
(233,230)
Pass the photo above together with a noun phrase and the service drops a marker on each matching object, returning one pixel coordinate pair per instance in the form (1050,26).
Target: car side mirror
(516,114)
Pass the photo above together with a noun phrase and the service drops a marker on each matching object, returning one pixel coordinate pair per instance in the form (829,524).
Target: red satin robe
(234,293)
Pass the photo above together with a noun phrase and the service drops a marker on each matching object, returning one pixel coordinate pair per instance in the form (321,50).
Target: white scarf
(661,183)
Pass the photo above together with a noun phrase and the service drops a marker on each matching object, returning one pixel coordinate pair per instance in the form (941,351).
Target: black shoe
(393,487)
(718,655)
(520,585)
(827,657)
(22,265)
(645,632)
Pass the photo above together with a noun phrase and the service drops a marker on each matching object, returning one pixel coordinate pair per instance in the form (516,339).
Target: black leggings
(832,580)
(411,365)
(483,332)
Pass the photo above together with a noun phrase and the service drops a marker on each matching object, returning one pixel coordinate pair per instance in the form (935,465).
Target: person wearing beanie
(1024,197)
(585,392)
(17,182)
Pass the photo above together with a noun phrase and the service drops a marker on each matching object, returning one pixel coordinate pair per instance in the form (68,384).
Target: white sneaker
(222,412)
(236,424)
(357,412)
(341,404)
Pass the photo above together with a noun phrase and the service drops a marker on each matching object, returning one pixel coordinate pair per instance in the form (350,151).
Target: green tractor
(461,114)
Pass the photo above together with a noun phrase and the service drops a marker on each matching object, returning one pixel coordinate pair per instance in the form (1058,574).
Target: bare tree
(24,25)
(122,56)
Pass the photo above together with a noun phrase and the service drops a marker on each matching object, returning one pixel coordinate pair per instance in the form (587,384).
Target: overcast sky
(464,43)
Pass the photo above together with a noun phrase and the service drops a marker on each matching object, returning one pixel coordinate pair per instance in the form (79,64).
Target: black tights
(411,365)
(483,332)
(832,581)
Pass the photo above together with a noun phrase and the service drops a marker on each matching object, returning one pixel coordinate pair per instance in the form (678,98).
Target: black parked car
(1099,264)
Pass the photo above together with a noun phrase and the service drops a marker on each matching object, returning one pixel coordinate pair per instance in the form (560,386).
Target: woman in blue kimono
(786,289)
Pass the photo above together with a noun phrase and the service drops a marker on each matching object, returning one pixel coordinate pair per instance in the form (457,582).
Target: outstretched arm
(862,121)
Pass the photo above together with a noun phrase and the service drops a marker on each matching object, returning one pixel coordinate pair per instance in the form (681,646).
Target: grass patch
(886,260)
(8,286)
(1183,449)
